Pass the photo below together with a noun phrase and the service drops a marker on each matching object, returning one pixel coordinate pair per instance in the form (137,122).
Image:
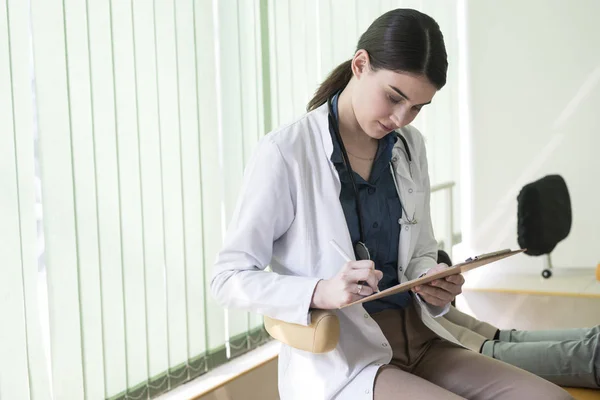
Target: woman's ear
(360,63)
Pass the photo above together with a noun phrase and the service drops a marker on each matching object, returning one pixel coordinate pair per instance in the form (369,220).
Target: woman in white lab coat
(352,170)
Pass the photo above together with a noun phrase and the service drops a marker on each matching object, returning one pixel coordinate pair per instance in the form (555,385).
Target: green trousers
(566,357)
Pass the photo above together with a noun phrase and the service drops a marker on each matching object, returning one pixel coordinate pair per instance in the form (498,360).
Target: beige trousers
(425,366)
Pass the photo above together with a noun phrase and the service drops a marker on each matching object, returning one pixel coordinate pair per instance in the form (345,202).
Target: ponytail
(336,81)
(400,40)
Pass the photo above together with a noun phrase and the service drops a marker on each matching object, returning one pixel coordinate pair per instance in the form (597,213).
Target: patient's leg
(468,338)
(552,335)
(512,335)
(483,328)
(477,377)
(566,363)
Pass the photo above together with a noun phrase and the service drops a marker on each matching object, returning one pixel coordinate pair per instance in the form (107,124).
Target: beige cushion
(321,336)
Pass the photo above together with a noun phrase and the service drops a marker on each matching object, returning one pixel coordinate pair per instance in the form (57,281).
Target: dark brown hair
(401,40)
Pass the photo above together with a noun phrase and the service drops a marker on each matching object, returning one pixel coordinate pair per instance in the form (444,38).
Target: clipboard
(469,264)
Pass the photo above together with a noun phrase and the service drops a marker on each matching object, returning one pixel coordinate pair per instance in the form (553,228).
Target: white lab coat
(288,211)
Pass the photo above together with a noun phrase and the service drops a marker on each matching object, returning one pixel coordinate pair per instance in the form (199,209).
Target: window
(125,130)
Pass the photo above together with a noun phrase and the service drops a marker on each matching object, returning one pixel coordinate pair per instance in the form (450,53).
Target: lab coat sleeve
(425,253)
(264,212)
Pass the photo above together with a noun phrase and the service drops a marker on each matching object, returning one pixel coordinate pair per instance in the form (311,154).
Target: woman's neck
(350,130)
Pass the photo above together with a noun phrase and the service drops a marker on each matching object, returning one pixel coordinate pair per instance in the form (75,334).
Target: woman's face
(385,100)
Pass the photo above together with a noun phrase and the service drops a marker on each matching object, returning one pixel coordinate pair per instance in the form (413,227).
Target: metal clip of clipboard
(487,255)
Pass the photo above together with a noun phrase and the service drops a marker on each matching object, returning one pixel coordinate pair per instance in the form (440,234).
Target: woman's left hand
(441,291)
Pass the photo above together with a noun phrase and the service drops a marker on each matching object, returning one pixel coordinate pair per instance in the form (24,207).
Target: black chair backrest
(544,215)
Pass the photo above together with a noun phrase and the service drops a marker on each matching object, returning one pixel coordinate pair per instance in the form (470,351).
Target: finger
(350,298)
(362,290)
(438,293)
(437,268)
(433,300)
(354,297)
(355,275)
(457,279)
(361,264)
(371,277)
(372,281)
(364,275)
(453,288)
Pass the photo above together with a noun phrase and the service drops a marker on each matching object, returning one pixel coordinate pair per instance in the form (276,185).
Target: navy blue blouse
(381,211)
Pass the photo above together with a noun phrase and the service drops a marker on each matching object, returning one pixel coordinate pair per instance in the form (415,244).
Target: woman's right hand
(344,288)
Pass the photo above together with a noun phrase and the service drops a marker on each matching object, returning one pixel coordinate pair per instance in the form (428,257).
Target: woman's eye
(393,100)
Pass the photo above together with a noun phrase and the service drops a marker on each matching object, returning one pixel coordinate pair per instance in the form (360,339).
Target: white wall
(534,88)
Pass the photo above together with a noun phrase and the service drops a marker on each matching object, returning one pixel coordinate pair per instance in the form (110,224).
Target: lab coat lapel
(405,183)
(338,219)
(404,178)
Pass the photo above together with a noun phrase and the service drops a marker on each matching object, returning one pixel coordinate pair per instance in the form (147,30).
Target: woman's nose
(398,118)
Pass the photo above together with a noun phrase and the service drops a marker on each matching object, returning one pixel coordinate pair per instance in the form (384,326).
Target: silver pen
(340,251)
(347,258)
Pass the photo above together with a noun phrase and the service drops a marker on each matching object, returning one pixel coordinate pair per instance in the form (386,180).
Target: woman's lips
(387,128)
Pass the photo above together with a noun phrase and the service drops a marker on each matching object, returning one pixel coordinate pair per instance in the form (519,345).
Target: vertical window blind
(125,127)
